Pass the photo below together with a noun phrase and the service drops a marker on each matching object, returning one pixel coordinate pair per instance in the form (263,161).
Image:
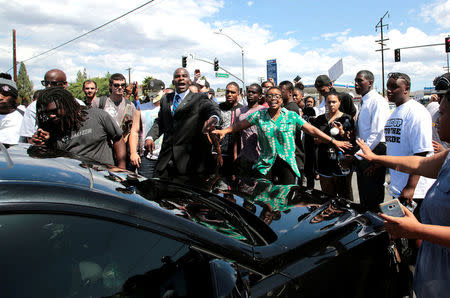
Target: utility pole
(381,42)
(447,67)
(129,74)
(14,55)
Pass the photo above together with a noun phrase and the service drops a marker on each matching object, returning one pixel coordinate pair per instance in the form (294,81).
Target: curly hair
(72,115)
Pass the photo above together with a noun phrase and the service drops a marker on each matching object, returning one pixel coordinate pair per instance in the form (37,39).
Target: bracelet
(331,140)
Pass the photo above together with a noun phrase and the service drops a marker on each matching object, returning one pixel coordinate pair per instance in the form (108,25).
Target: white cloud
(438,12)
(328,36)
(152,41)
(250,3)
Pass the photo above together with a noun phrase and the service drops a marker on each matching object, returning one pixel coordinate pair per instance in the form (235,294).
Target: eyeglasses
(53,83)
(276,96)
(119,85)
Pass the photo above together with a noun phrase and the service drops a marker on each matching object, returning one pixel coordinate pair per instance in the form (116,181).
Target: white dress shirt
(372,118)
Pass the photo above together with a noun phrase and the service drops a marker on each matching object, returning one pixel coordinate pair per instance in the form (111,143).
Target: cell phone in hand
(392,208)
(197,71)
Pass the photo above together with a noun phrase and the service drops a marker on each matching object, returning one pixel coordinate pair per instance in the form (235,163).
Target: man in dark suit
(184,118)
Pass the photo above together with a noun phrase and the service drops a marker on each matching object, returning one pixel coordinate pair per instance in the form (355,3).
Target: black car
(71,227)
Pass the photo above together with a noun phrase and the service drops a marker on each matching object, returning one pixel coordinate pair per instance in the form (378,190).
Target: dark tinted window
(69,256)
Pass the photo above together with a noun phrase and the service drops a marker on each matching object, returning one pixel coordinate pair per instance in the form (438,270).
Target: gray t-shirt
(94,138)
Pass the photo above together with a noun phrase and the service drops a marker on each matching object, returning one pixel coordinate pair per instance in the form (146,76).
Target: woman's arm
(424,166)
(238,126)
(324,138)
(409,227)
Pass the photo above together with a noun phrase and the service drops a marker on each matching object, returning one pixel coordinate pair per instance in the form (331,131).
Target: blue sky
(306,37)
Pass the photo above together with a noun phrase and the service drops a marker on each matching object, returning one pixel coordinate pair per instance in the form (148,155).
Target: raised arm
(418,165)
(315,132)
(238,126)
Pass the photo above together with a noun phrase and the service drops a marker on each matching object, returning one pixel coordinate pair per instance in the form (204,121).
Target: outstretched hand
(402,227)
(366,152)
(209,125)
(220,132)
(342,145)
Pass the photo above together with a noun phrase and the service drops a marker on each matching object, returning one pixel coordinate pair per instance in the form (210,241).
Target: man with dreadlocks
(64,124)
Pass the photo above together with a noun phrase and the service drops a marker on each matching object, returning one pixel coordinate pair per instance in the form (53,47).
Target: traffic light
(183,61)
(447,44)
(397,55)
(216,64)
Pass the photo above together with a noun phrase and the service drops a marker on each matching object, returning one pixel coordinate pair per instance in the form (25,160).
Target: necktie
(176,102)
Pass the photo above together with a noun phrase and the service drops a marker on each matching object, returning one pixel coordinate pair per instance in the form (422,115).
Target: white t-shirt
(149,113)
(29,125)
(322,108)
(408,131)
(10,127)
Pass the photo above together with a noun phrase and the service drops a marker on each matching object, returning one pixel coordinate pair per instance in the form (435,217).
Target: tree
(80,77)
(24,85)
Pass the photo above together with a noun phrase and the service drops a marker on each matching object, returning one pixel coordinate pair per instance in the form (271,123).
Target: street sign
(222,75)
(272,70)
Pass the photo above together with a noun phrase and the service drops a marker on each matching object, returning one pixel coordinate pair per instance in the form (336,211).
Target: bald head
(181,80)
(55,77)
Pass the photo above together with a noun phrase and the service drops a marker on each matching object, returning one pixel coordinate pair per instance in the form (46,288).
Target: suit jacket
(183,142)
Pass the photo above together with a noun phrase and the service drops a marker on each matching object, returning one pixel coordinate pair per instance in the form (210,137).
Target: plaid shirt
(276,138)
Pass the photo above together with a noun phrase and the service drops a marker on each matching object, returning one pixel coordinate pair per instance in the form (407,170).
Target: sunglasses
(119,85)
(53,83)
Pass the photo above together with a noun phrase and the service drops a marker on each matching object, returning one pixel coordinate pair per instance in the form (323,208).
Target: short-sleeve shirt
(94,137)
(10,127)
(408,131)
(121,113)
(276,138)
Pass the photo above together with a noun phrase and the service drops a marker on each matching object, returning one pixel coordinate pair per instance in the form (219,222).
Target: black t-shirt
(94,137)
(347,105)
(326,164)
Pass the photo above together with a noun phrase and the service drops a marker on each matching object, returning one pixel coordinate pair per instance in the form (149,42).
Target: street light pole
(242,52)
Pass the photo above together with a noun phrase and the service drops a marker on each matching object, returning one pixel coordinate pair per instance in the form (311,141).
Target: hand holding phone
(392,208)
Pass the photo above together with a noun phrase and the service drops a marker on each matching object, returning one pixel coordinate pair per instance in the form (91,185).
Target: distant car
(74,228)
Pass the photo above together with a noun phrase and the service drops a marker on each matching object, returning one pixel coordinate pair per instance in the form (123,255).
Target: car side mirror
(226,281)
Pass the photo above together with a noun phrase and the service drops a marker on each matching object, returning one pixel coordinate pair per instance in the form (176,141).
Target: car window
(55,255)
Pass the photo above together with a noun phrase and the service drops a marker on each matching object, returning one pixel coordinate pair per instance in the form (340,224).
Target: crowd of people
(274,132)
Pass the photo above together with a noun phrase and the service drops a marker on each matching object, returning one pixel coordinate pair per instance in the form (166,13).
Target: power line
(95,29)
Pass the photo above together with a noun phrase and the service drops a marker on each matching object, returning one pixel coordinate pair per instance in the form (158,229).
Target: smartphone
(197,71)
(392,208)
(297,78)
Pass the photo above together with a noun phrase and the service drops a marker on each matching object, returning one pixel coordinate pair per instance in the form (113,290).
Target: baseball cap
(9,87)
(322,80)
(442,83)
(155,90)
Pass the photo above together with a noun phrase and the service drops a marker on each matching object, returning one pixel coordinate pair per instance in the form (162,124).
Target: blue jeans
(147,167)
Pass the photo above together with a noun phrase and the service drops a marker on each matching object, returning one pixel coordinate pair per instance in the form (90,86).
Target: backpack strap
(102,102)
